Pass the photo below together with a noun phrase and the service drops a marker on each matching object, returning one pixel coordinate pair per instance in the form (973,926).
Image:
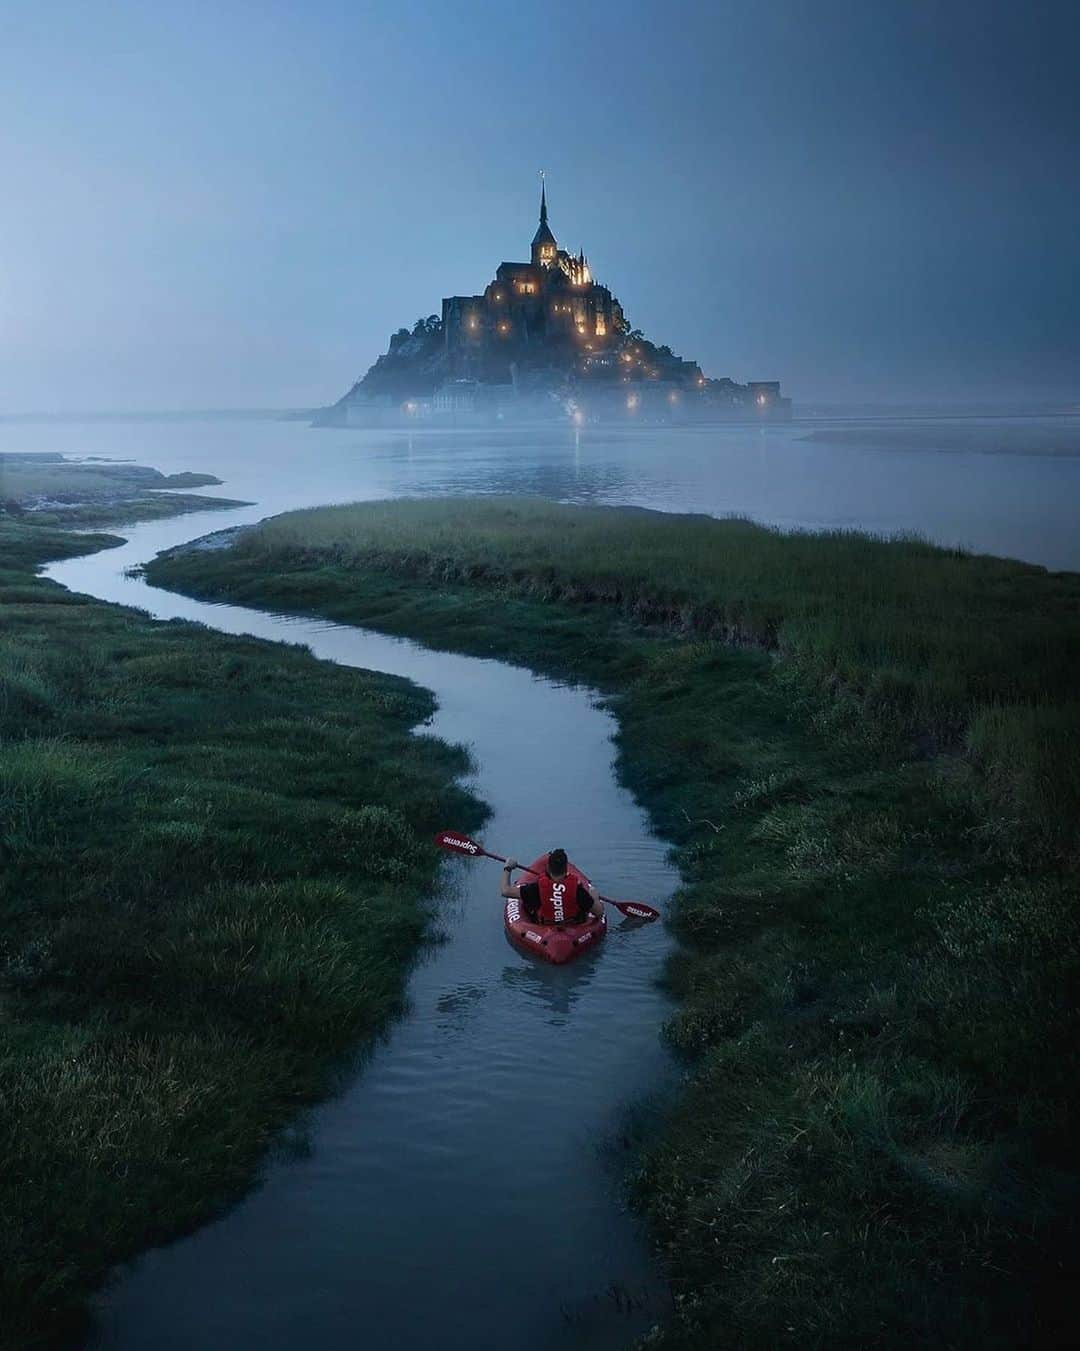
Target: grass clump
(865,753)
(213,854)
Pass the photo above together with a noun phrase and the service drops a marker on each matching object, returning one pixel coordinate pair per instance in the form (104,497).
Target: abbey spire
(544,245)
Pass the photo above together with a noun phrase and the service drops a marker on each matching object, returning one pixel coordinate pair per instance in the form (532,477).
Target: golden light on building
(504,327)
(601,328)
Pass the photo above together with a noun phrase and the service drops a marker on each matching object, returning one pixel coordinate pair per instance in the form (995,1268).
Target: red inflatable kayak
(556,943)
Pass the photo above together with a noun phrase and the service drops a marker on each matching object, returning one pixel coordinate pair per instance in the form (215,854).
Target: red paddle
(461,844)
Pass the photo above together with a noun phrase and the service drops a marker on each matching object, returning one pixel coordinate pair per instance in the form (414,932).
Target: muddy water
(463,1191)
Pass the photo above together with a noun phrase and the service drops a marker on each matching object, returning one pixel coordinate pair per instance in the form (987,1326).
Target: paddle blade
(634,909)
(458,843)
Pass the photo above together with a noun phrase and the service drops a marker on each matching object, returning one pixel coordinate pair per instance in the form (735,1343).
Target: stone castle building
(532,314)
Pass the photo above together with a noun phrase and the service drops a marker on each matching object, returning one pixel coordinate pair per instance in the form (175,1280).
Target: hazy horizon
(234,208)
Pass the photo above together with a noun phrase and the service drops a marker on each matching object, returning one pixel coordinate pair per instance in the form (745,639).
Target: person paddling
(555,897)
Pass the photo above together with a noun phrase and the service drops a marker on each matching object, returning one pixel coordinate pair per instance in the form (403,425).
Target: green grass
(911,640)
(213,854)
(866,754)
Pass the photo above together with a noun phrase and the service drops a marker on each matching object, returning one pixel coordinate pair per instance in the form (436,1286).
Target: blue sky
(214,205)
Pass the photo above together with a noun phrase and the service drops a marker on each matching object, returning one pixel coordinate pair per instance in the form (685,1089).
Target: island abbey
(546,339)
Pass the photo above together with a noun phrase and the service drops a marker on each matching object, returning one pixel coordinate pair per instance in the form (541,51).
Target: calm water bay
(936,478)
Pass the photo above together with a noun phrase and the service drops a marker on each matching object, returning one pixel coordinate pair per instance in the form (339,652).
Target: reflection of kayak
(556,943)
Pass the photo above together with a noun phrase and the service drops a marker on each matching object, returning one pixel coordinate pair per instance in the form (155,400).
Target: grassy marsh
(212,857)
(867,755)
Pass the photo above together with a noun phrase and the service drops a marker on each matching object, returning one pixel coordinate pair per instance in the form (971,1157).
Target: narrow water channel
(464,1191)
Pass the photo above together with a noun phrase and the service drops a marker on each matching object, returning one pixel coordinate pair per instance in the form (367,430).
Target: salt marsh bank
(869,755)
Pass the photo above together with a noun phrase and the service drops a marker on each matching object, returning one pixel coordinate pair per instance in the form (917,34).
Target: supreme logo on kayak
(631,909)
(513,911)
(558,890)
(536,938)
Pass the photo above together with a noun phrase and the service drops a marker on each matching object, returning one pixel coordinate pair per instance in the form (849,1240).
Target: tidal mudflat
(52,489)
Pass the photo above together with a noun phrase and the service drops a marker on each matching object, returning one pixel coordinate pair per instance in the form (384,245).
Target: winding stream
(463,1192)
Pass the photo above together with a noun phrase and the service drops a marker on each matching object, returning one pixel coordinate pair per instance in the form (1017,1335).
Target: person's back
(556,896)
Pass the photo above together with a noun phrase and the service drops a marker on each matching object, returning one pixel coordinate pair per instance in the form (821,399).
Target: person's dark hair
(556,863)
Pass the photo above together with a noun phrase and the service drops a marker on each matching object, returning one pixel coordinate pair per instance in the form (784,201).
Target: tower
(544,244)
